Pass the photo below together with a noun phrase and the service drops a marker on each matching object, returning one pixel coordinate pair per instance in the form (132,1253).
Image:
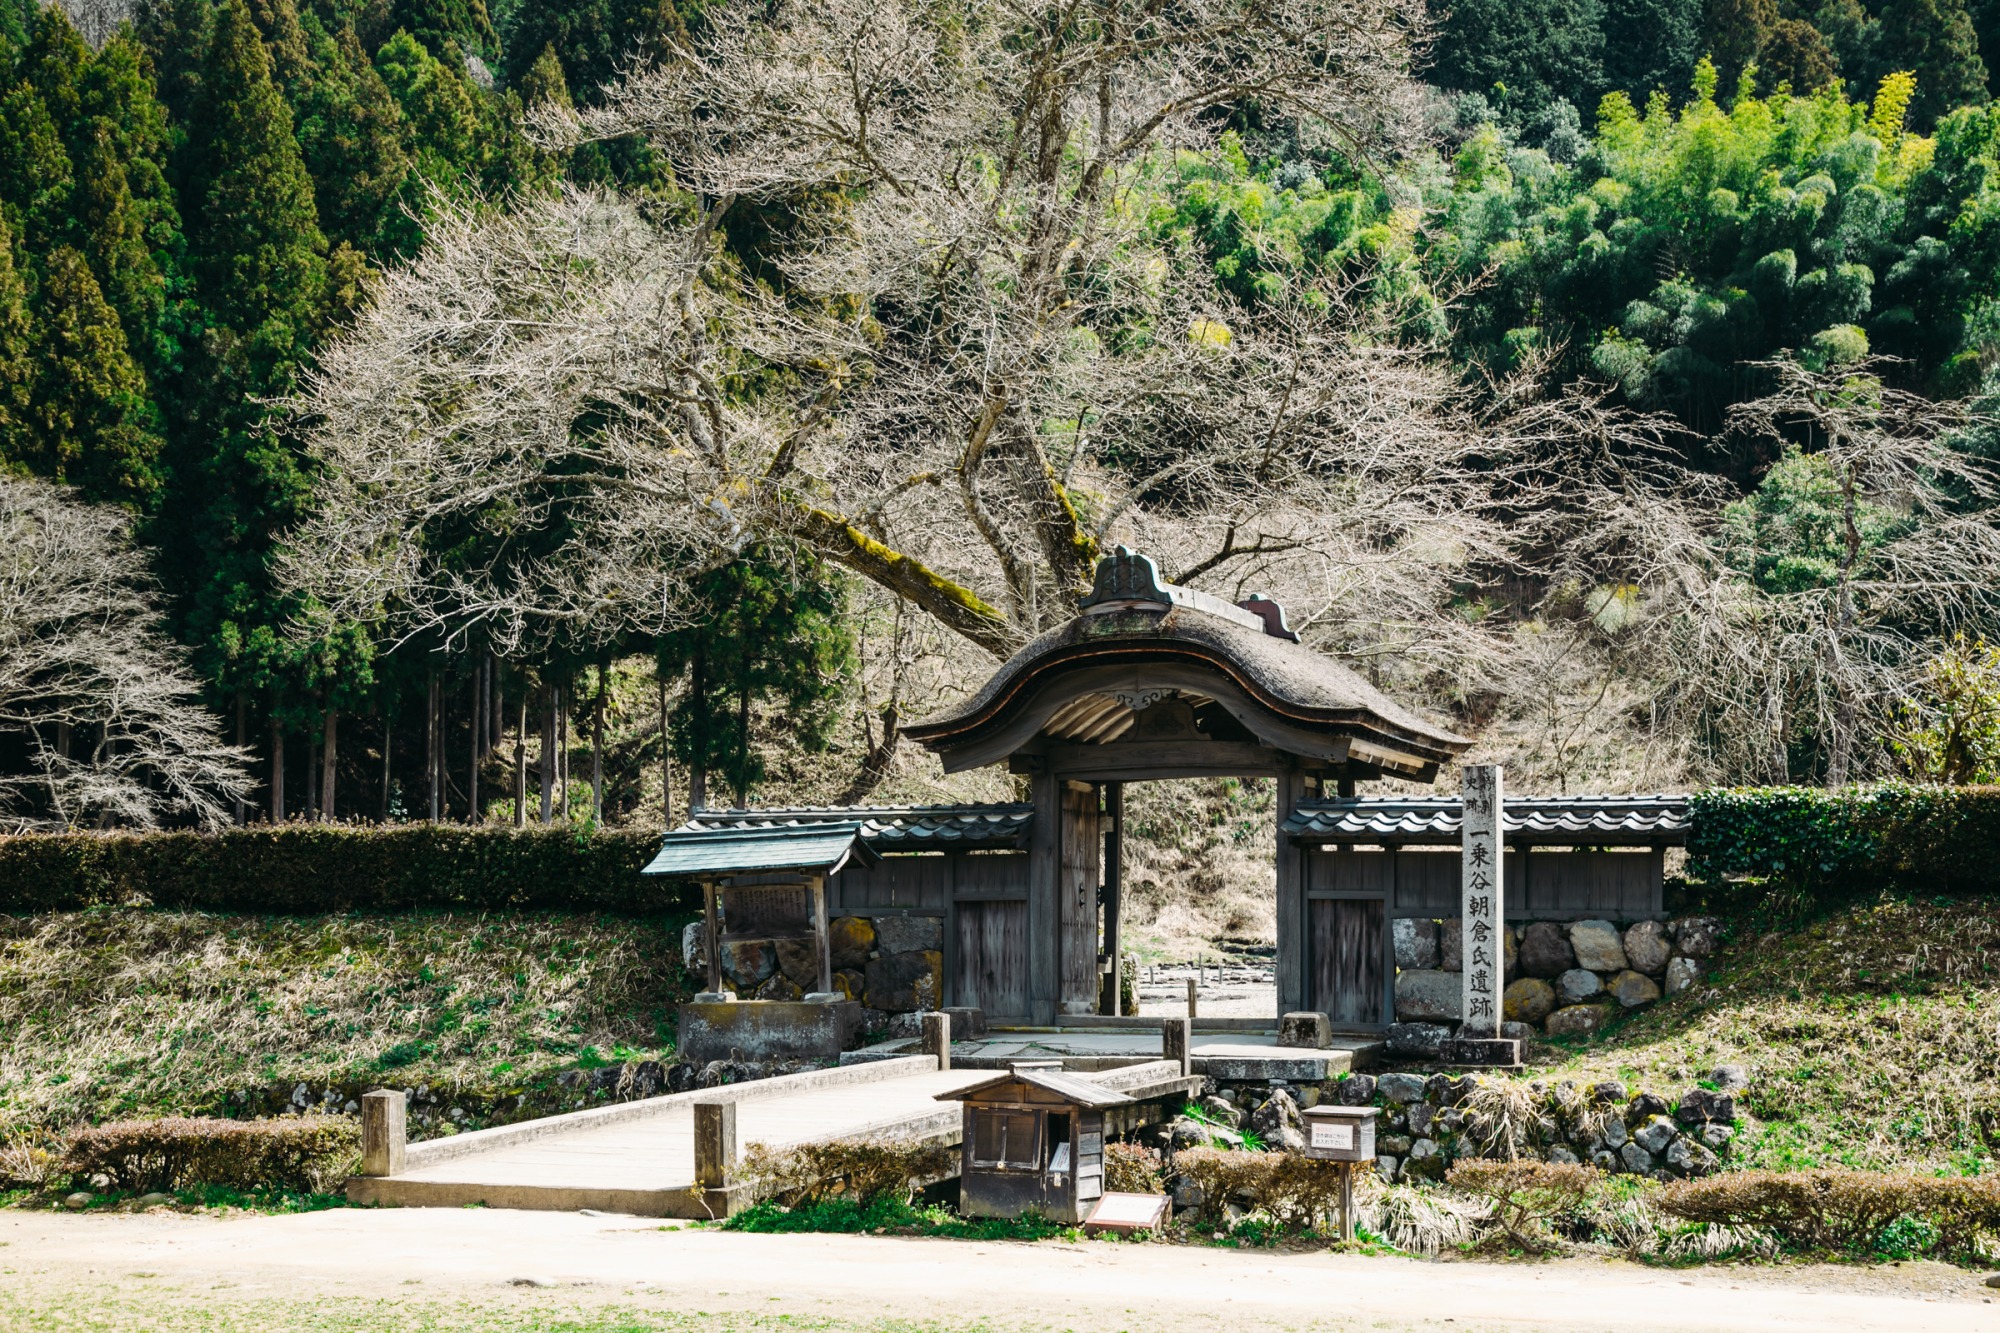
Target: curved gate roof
(1146,662)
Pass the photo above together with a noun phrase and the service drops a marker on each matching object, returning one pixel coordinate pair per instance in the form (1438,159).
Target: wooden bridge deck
(638,1157)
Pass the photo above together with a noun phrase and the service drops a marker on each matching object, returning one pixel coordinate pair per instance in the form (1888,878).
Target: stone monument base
(1483,1052)
(768,1030)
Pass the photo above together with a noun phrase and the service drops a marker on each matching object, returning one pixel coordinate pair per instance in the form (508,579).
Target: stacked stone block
(891,964)
(1563,977)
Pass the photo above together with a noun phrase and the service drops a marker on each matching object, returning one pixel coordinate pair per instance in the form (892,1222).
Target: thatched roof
(1151,630)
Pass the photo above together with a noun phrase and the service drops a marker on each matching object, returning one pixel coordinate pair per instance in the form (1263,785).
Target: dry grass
(128,1013)
(1873,1038)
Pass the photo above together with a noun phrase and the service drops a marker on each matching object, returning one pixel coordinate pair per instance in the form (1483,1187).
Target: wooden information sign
(1126,1213)
(1482,914)
(1337,1138)
(767,911)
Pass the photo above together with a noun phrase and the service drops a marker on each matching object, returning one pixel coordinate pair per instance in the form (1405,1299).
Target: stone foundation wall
(1429,1122)
(891,964)
(1562,977)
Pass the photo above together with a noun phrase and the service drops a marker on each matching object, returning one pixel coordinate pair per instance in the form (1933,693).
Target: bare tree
(96,20)
(611,403)
(1747,666)
(100,723)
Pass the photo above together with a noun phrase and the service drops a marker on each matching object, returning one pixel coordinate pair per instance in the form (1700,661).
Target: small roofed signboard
(1124,1214)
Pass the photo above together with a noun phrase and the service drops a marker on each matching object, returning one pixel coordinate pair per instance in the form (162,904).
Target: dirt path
(475,1254)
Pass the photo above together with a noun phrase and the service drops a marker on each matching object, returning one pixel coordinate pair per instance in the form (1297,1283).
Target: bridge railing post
(1177,1043)
(714,1144)
(384,1132)
(937,1038)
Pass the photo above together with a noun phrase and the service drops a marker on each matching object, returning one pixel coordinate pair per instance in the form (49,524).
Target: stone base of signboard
(1482,1052)
(768,1030)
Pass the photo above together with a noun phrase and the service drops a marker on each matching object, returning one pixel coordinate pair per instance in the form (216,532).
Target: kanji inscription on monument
(1482,914)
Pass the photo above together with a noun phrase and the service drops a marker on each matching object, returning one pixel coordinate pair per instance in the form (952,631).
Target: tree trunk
(743,737)
(242,721)
(431,744)
(496,708)
(564,699)
(597,751)
(312,779)
(331,759)
(666,761)
(388,739)
(549,758)
(521,763)
(698,769)
(478,742)
(277,769)
(881,753)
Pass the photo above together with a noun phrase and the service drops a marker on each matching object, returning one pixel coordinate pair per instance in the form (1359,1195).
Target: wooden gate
(1349,964)
(988,960)
(993,958)
(1349,980)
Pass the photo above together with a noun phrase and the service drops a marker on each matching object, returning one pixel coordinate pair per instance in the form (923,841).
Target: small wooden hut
(1033,1142)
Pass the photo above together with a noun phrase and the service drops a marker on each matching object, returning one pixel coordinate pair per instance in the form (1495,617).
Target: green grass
(113,1013)
(1869,1033)
(892,1217)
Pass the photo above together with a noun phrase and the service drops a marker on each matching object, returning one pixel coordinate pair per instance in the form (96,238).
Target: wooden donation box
(1344,1135)
(1033,1143)
(1340,1133)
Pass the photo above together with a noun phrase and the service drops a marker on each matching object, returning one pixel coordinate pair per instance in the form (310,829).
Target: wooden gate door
(1348,951)
(987,954)
(993,958)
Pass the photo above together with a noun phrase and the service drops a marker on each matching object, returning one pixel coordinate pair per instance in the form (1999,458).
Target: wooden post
(1482,912)
(1346,1200)
(1114,926)
(714,1144)
(937,1039)
(1194,989)
(384,1132)
(1044,929)
(1177,1043)
(819,928)
(1294,964)
(1080,844)
(713,946)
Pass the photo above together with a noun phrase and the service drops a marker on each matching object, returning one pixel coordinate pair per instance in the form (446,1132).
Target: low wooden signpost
(1345,1136)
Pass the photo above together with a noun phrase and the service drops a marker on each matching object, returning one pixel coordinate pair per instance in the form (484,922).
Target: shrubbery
(860,1171)
(309,1154)
(1856,1211)
(1814,841)
(1296,1191)
(311,868)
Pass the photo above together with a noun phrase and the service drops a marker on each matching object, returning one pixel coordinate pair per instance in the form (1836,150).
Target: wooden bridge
(646,1157)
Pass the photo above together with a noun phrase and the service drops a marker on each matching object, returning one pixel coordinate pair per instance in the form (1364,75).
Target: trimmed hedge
(313,868)
(1849,839)
(309,1153)
(1859,1211)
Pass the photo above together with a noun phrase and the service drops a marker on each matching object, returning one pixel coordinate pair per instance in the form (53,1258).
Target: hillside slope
(1872,1036)
(111,1013)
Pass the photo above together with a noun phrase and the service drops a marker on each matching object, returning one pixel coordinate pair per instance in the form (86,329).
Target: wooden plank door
(1348,951)
(993,958)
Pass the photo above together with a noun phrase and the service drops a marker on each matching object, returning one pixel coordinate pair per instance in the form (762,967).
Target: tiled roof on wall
(918,828)
(1615,821)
